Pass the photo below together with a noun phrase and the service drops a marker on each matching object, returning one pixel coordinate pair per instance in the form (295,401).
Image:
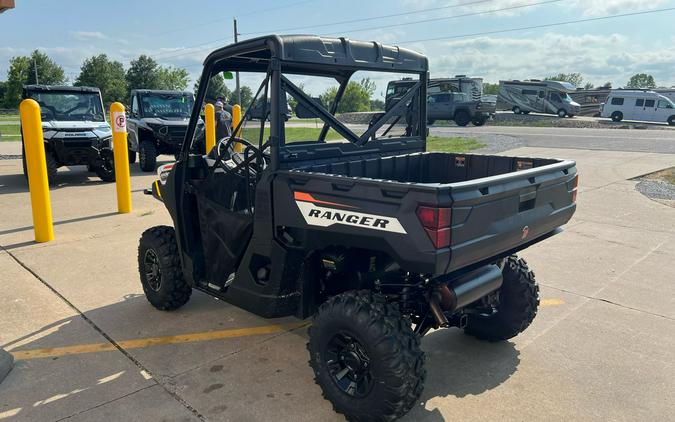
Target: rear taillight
(436,222)
(575,186)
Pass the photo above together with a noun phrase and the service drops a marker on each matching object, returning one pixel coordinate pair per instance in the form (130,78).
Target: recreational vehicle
(550,97)
(472,87)
(642,105)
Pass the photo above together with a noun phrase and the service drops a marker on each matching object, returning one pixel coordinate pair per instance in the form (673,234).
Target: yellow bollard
(38,183)
(118,120)
(210,117)
(236,118)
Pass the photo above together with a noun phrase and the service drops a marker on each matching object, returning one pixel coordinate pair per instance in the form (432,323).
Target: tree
(588,85)
(108,76)
(377,105)
(143,73)
(246,97)
(22,70)
(356,97)
(641,81)
(490,89)
(216,89)
(172,78)
(573,78)
(607,85)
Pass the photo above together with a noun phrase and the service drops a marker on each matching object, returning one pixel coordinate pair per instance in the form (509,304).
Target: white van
(640,105)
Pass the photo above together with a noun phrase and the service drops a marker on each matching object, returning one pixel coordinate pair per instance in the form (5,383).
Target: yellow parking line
(551,302)
(153,341)
(177,339)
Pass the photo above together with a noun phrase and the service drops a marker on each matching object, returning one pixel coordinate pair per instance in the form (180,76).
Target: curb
(6,363)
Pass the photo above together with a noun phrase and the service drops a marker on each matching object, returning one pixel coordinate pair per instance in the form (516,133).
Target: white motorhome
(641,105)
(473,87)
(551,97)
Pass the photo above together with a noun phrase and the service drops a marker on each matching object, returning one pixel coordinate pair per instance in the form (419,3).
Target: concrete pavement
(601,348)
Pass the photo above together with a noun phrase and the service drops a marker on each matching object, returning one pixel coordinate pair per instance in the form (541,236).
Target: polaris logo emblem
(317,215)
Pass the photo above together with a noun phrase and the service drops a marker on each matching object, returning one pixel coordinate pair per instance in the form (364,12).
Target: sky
(470,37)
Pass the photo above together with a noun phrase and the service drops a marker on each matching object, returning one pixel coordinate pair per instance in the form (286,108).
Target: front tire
(106,170)
(517,110)
(462,118)
(671,120)
(562,113)
(365,357)
(479,122)
(147,156)
(52,166)
(160,269)
(132,156)
(518,304)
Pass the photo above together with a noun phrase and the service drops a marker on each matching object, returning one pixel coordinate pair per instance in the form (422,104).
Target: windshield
(167,105)
(69,106)
(566,97)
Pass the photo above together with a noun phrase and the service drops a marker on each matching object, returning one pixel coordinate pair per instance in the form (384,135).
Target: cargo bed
(499,204)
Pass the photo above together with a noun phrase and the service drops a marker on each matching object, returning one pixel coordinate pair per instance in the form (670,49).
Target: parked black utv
(157,124)
(375,237)
(74,128)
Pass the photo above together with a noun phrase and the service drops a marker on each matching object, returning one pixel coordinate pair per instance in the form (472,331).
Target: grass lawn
(9,117)
(10,132)
(434,143)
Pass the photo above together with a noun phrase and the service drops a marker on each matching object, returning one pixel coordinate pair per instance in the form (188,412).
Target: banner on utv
(316,215)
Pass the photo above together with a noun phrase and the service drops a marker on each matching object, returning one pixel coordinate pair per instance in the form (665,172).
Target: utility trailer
(375,237)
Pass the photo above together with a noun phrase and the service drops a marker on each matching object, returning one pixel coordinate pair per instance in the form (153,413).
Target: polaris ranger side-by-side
(157,124)
(375,237)
(74,128)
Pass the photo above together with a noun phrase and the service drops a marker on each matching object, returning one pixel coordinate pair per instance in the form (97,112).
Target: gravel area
(657,190)
(529,120)
(9,157)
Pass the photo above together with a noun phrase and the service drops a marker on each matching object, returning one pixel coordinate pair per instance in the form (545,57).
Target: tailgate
(504,213)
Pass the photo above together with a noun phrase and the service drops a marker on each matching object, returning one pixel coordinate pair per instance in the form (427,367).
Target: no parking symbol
(119,122)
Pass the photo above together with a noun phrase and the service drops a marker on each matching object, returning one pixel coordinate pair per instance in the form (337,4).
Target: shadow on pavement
(56,223)
(65,177)
(457,365)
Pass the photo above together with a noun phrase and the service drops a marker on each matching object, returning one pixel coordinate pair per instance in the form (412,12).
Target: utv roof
(46,88)
(159,91)
(312,54)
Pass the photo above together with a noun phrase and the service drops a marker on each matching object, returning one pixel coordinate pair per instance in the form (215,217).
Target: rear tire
(671,120)
(617,116)
(518,303)
(365,357)
(160,269)
(526,112)
(462,118)
(479,122)
(147,156)
(562,113)
(517,110)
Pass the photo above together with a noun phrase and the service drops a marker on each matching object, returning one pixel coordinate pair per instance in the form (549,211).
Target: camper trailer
(523,97)
(473,87)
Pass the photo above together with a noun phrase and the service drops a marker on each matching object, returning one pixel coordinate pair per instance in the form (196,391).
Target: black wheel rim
(349,365)
(153,274)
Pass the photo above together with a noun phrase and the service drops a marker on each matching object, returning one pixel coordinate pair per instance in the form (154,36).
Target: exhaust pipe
(470,287)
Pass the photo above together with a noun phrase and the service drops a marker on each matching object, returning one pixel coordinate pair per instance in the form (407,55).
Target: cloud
(598,58)
(613,7)
(87,35)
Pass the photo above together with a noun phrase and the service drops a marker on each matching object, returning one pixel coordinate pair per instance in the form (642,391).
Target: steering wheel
(225,148)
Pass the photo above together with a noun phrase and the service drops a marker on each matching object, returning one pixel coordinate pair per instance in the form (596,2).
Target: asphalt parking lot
(89,347)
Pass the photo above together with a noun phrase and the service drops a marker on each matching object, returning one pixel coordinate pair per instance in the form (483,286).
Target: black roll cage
(270,55)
